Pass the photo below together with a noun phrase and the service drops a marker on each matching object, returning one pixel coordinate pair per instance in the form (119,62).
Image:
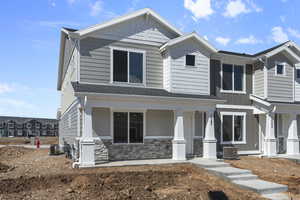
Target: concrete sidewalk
(43,146)
(243,178)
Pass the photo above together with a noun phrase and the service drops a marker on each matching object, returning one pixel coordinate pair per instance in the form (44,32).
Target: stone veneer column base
(210,149)
(270,147)
(292,146)
(179,151)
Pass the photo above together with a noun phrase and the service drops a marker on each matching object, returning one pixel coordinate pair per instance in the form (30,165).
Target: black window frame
(130,53)
(232,86)
(297,74)
(130,127)
(187,61)
(283,69)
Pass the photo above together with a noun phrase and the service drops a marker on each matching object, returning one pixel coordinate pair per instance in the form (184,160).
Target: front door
(281,132)
(188,123)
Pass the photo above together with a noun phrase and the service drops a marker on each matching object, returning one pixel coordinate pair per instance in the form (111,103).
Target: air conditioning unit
(230,153)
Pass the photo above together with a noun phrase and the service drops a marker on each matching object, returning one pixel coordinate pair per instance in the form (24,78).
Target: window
(233,128)
(280,69)
(298,73)
(128,127)
(190,60)
(233,78)
(127,66)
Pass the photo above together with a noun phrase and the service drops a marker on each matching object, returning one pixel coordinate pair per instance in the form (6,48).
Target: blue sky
(30,37)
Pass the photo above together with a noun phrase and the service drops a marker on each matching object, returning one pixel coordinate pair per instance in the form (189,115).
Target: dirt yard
(275,170)
(32,174)
(25,140)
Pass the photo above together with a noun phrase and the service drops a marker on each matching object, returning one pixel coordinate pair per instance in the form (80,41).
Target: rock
(70,190)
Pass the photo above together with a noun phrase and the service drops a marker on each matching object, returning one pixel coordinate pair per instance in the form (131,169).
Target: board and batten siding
(259,81)
(95,61)
(141,29)
(280,88)
(187,79)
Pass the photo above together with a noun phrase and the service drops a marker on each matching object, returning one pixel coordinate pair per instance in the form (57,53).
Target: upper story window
(233,78)
(280,69)
(128,66)
(190,60)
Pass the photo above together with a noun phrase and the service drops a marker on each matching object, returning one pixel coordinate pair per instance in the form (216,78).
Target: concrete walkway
(243,178)
(43,146)
(295,158)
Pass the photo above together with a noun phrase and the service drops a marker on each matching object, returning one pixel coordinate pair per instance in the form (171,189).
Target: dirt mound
(80,183)
(8,153)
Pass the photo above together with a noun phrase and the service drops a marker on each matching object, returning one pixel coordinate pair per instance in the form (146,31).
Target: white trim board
(228,106)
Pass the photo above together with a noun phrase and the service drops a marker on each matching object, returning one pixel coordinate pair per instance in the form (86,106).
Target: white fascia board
(283,48)
(256,99)
(117,20)
(61,58)
(188,36)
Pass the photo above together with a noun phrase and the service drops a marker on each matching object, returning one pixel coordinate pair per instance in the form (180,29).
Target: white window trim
(284,68)
(112,48)
(244,114)
(189,66)
(244,80)
(112,111)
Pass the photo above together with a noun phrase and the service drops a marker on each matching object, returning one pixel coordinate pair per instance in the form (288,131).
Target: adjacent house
(136,87)
(27,127)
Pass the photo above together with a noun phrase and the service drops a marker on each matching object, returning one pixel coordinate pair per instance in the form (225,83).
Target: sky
(31,32)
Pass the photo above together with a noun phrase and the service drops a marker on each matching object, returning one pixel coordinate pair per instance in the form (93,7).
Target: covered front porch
(278,123)
(127,127)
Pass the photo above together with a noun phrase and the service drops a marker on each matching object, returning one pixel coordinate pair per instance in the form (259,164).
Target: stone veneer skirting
(105,150)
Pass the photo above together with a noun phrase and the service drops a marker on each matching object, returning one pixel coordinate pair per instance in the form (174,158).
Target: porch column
(178,143)
(210,142)
(87,144)
(293,140)
(270,140)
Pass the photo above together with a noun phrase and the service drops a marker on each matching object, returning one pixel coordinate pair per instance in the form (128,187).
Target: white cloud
(293,32)
(199,8)
(205,37)
(222,40)
(96,8)
(235,8)
(248,40)
(278,34)
(71,1)
(238,7)
(5,88)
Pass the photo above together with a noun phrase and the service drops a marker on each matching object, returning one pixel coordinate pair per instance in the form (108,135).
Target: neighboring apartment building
(27,127)
(138,88)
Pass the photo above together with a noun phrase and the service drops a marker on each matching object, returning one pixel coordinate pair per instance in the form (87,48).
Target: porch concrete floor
(295,158)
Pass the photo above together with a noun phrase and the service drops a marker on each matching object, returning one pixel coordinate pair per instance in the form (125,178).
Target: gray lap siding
(68,126)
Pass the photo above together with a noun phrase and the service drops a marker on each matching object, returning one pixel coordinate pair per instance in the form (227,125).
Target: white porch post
(179,151)
(210,142)
(87,144)
(270,140)
(293,140)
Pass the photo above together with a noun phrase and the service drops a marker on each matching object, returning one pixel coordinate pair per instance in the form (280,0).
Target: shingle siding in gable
(141,29)
(280,88)
(95,61)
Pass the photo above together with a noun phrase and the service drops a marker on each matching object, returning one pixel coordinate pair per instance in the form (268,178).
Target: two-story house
(136,87)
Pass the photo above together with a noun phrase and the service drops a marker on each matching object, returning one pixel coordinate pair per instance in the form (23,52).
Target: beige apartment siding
(160,123)
(280,88)
(199,124)
(95,61)
(141,29)
(186,79)
(67,92)
(258,75)
(101,122)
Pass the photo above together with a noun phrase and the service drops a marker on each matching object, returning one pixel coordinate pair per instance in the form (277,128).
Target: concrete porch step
(206,163)
(229,171)
(242,177)
(261,187)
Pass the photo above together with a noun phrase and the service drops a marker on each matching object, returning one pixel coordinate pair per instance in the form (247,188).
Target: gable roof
(188,36)
(145,11)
